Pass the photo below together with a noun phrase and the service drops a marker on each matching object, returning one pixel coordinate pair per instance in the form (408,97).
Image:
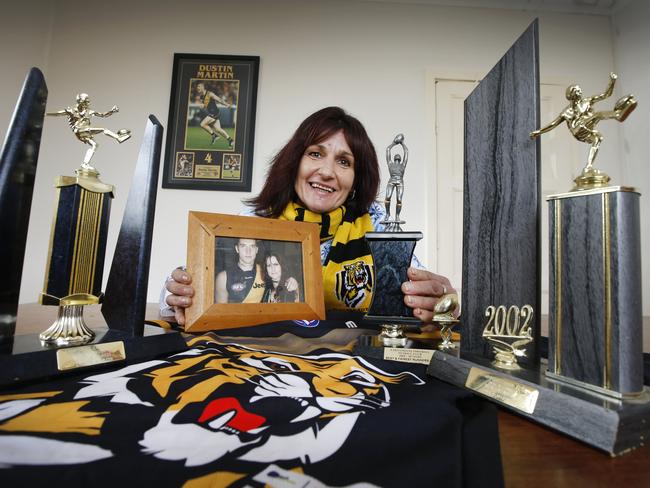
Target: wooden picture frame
(211,125)
(209,237)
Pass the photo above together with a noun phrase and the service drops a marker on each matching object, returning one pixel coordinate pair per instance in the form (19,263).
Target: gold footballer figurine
(79,121)
(581,119)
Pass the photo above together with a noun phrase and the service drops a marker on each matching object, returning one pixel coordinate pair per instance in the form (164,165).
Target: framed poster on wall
(211,125)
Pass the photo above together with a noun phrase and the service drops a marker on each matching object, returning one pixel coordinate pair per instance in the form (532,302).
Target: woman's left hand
(291,284)
(423,291)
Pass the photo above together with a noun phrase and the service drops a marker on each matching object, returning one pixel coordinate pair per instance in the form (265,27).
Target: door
(560,165)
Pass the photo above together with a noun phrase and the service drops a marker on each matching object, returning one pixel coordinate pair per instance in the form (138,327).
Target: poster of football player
(212,116)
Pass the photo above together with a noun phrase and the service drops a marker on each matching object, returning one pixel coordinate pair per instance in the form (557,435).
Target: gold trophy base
(392,335)
(69,329)
(445,333)
(443,317)
(505,360)
(591,178)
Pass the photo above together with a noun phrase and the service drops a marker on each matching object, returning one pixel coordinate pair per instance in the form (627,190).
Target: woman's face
(273,269)
(326,174)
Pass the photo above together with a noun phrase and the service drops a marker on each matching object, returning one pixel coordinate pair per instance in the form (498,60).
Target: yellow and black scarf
(348,273)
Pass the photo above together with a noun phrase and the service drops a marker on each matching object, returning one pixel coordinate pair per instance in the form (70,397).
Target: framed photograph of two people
(251,271)
(211,125)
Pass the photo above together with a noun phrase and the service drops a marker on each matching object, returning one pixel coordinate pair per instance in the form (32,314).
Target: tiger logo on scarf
(353,283)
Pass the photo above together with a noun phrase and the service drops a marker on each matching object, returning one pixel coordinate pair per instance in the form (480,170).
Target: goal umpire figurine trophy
(392,251)
(78,237)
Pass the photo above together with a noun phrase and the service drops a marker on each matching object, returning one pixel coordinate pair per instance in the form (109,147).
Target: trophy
(595,316)
(79,230)
(443,316)
(77,248)
(507,335)
(392,251)
(591,388)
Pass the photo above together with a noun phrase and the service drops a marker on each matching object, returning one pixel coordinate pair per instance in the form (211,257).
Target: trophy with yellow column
(78,237)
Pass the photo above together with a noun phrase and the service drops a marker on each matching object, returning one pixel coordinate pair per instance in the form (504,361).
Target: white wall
(24,42)
(374,59)
(631,48)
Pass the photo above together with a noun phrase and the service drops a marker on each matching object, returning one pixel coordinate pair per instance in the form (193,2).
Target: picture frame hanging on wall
(211,125)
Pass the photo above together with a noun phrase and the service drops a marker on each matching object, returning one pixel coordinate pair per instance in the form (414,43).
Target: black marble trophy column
(391,254)
(392,251)
(595,316)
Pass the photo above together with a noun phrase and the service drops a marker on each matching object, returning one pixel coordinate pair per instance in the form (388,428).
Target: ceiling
(584,7)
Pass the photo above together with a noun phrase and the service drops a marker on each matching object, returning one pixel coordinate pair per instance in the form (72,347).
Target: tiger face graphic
(223,402)
(353,283)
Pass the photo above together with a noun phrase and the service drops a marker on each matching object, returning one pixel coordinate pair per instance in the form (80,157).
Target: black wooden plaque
(18,160)
(126,290)
(608,424)
(501,206)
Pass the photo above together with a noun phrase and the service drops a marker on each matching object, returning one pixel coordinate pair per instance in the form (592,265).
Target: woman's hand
(291,284)
(181,293)
(423,291)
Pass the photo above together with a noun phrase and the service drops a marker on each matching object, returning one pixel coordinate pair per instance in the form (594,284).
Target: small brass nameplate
(208,171)
(503,390)
(79,357)
(419,356)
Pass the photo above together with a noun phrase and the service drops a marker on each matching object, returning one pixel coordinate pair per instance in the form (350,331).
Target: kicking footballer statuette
(78,237)
(581,119)
(392,251)
(77,248)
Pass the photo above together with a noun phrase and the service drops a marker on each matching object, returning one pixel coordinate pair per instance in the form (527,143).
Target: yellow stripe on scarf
(348,274)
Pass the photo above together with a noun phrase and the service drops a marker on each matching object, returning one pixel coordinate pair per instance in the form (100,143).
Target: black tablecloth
(284,404)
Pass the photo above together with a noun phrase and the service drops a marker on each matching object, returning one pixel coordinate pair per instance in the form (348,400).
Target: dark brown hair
(279,190)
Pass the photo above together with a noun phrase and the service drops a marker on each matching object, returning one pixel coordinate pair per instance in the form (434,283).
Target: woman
(333,166)
(278,289)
